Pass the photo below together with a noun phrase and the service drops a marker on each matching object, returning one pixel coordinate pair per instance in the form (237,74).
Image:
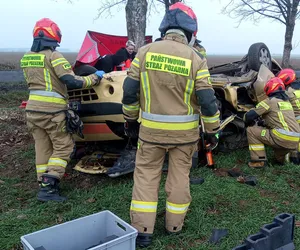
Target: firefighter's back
(281,115)
(168,70)
(47,93)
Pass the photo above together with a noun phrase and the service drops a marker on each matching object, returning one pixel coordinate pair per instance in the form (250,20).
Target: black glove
(212,139)
(250,117)
(73,123)
(132,128)
(260,122)
(249,123)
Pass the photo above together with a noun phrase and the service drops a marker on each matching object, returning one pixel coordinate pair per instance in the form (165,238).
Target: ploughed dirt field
(11,60)
(221,202)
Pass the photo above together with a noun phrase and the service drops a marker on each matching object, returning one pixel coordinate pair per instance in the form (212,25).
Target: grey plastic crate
(86,233)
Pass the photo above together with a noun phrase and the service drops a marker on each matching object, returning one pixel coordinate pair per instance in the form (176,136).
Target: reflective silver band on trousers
(284,132)
(170,118)
(46,93)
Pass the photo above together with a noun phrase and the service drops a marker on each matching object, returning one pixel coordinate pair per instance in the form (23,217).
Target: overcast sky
(218,32)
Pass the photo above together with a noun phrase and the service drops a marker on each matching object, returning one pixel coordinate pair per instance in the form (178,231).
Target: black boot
(295,159)
(144,240)
(49,189)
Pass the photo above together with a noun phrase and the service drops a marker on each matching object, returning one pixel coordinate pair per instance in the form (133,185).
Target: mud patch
(293,184)
(243,204)
(221,172)
(268,194)
(81,180)
(15,143)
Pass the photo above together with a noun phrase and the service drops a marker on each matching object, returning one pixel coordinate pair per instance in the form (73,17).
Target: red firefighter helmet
(273,85)
(287,76)
(187,10)
(46,28)
(179,16)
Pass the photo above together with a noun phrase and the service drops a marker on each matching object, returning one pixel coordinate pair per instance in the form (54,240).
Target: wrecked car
(238,87)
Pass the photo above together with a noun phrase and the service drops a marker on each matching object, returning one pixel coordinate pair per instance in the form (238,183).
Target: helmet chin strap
(193,40)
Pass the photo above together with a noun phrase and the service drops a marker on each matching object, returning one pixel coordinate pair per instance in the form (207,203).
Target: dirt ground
(10,61)
(16,144)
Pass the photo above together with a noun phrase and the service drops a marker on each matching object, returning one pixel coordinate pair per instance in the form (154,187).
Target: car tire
(84,70)
(259,54)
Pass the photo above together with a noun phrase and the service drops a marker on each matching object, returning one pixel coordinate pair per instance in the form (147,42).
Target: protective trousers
(296,153)
(147,176)
(53,145)
(259,136)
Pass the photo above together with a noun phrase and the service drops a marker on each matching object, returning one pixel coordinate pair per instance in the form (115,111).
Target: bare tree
(285,12)
(136,13)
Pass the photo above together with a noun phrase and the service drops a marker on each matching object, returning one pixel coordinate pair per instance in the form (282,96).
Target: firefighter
(288,76)
(168,81)
(199,47)
(281,130)
(49,75)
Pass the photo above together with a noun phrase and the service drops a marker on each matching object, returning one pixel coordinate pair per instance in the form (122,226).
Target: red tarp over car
(98,44)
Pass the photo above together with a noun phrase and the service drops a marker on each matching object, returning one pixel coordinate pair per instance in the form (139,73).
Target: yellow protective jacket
(294,96)
(279,118)
(43,72)
(200,49)
(169,81)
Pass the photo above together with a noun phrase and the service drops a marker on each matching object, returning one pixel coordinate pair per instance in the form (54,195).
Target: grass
(220,202)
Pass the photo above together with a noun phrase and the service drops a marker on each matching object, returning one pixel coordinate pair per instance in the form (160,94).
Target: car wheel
(259,54)
(84,70)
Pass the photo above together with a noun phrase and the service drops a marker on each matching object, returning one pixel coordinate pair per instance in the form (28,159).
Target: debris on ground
(97,163)
(196,180)
(236,173)
(217,235)
(21,216)
(249,180)
(221,172)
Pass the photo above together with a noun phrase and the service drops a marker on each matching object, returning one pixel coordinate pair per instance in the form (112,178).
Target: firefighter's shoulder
(197,53)
(56,55)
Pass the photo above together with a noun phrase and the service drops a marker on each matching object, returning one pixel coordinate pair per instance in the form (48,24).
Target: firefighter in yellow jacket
(288,76)
(49,75)
(199,47)
(168,81)
(281,130)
